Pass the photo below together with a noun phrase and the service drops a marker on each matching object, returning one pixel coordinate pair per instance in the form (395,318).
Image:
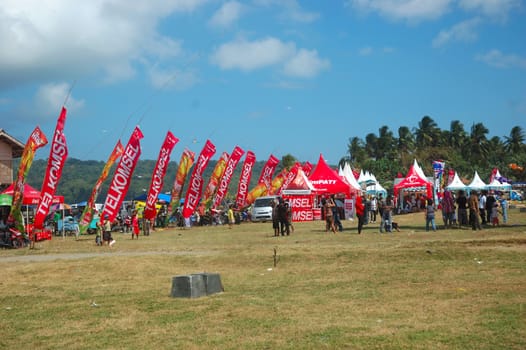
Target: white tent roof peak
(456,184)
(477,183)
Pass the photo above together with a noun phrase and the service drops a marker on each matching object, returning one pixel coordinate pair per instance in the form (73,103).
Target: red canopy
(31,195)
(327,181)
(413,182)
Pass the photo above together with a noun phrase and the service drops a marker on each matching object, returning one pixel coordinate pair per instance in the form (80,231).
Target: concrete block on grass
(196,285)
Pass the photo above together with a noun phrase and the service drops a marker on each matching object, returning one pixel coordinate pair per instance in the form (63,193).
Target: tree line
(387,155)
(383,154)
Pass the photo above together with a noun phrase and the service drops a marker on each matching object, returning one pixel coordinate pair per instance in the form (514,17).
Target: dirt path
(77,256)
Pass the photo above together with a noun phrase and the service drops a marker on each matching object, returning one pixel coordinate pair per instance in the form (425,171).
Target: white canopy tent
(347,173)
(456,184)
(498,186)
(477,184)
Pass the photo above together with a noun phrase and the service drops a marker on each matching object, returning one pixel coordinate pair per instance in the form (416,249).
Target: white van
(262,208)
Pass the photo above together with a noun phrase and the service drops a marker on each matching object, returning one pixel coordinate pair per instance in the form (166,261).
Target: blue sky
(272,76)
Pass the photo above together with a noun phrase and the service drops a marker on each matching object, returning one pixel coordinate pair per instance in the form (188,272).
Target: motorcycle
(10,237)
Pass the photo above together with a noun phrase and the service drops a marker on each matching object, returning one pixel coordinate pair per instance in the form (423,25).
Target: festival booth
(477,184)
(456,184)
(300,194)
(348,174)
(31,197)
(327,182)
(414,183)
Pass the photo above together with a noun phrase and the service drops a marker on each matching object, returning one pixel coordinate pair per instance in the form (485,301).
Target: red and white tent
(414,182)
(31,195)
(327,181)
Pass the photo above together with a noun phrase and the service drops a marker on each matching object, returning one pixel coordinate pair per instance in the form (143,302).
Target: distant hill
(79,177)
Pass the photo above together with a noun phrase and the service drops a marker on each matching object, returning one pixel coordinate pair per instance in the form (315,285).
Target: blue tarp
(162,197)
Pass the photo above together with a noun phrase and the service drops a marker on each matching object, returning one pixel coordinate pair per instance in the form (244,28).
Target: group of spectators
(484,208)
(282,218)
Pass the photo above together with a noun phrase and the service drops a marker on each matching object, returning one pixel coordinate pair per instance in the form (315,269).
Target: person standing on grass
(106,231)
(474,214)
(387,214)
(504,209)
(135,225)
(462,204)
(275,218)
(230,215)
(283,217)
(329,218)
(448,209)
(430,215)
(373,209)
(360,212)
(482,207)
(490,200)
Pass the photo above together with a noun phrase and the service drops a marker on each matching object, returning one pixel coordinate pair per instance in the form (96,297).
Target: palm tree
(385,143)
(371,145)
(515,142)
(356,150)
(479,144)
(427,134)
(457,135)
(406,145)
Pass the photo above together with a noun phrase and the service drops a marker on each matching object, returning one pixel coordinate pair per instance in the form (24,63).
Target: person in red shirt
(360,212)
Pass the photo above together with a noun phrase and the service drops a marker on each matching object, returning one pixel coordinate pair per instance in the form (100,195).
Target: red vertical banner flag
(36,140)
(244,179)
(219,169)
(236,155)
(186,162)
(264,185)
(193,194)
(55,164)
(290,177)
(278,181)
(156,185)
(87,214)
(121,178)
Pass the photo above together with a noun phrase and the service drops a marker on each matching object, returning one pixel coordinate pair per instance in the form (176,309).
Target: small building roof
(16,146)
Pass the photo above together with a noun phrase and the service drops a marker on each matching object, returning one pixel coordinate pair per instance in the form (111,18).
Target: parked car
(68,226)
(516,196)
(262,208)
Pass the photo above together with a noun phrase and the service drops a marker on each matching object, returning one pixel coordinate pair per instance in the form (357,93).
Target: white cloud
(250,55)
(497,59)
(291,10)
(247,56)
(50,97)
(227,14)
(59,38)
(365,51)
(465,31)
(410,10)
(491,8)
(305,64)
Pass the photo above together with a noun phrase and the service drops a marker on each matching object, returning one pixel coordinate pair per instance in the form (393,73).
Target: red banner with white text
(301,207)
(193,194)
(290,177)
(121,179)
(156,185)
(56,160)
(219,169)
(36,140)
(236,155)
(186,162)
(264,185)
(244,179)
(87,214)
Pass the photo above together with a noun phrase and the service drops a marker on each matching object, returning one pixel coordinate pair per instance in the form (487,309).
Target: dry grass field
(450,289)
